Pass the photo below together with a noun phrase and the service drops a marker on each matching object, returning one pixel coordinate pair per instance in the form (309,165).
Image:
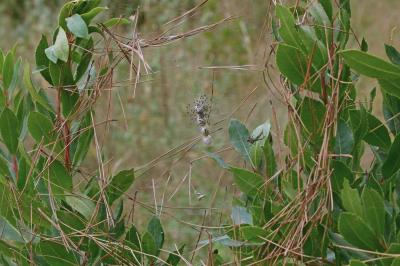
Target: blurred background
(191,188)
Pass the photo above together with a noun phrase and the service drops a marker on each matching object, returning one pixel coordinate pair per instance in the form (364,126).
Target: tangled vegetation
(322,190)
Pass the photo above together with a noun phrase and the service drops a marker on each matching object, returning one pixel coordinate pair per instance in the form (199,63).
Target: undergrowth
(302,194)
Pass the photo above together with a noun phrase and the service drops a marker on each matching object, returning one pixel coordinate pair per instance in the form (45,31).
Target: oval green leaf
(61,47)
(119,184)
(155,229)
(8,70)
(374,210)
(357,233)
(370,65)
(9,129)
(238,135)
(392,163)
(77,26)
(40,127)
(248,182)
(292,63)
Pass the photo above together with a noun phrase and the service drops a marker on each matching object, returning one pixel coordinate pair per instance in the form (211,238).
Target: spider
(200,111)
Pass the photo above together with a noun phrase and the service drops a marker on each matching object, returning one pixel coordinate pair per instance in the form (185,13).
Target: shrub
(305,195)
(315,203)
(51,211)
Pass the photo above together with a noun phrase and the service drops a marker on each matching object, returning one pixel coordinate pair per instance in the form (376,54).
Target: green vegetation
(320,187)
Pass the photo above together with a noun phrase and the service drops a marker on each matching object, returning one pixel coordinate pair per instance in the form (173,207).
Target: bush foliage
(306,196)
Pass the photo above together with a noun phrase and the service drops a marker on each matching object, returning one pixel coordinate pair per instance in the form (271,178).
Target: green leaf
(78,26)
(118,229)
(396,262)
(42,60)
(87,17)
(9,232)
(155,229)
(351,199)
(253,234)
(356,232)
(359,123)
(364,45)
(224,240)
(87,80)
(290,184)
(288,30)
(40,127)
(344,22)
(60,179)
(70,221)
(10,251)
(392,54)
(56,254)
(8,70)
(69,102)
(391,87)
(238,135)
(32,91)
(23,171)
(149,245)
(65,12)
(344,140)
(4,170)
(370,66)
(51,55)
(56,74)
(173,258)
(15,77)
(392,163)
(314,47)
(116,21)
(86,134)
(86,6)
(290,138)
(133,237)
(248,182)
(269,156)
(9,129)
(81,204)
(312,113)
(394,248)
(134,242)
(317,11)
(119,184)
(84,63)
(256,155)
(317,242)
(240,215)
(61,47)
(345,5)
(95,29)
(327,5)
(391,110)
(357,263)
(377,135)
(340,173)
(374,210)
(291,63)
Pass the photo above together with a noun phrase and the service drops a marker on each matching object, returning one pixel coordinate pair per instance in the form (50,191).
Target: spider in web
(199,111)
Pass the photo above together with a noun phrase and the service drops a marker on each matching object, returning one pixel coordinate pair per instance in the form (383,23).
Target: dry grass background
(155,121)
